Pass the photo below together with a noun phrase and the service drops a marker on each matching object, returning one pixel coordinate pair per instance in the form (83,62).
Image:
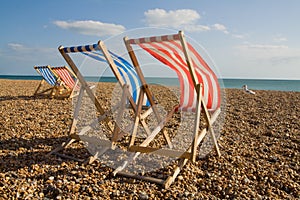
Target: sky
(242,39)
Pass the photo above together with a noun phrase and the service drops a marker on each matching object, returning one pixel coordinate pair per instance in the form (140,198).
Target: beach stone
(143,196)
(259,146)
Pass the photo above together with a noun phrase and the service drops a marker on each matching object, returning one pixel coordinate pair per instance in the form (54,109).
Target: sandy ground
(259,142)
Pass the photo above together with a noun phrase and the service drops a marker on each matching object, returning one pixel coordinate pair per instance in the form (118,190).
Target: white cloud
(16,46)
(268,54)
(279,39)
(90,27)
(185,19)
(21,52)
(196,28)
(239,36)
(20,48)
(173,18)
(220,27)
(262,46)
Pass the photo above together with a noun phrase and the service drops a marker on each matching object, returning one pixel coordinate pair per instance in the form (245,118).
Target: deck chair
(128,80)
(200,93)
(47,77)
(68,80)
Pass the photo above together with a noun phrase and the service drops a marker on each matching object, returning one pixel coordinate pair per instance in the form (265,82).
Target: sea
(253,84)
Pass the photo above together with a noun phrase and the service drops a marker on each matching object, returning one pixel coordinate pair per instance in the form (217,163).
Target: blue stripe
(126,70)
(124,65)
(47,75)
(131,68)
(65,50)
(120,66)
(81,48)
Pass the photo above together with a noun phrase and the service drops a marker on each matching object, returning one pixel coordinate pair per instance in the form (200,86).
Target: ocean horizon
(254,84)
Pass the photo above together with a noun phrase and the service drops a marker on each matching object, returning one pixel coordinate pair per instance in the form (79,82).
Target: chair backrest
(126,70)
(191,69)
(47,74)
(65,76)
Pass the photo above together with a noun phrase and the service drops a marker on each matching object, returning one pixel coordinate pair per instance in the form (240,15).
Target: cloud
(220,27)
(284,60)
(186,19)
(268,54)
(239,36)
(279,39)
(196,28)
(21,52)
(173,18)
(20,48)
(16,46)
(90,27)
(262,47)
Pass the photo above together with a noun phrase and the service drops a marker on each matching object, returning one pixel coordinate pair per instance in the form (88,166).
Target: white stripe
(171,37)
(184,75)
(214,89)
(131,74)
(92,48)
(190,88)
(205,77)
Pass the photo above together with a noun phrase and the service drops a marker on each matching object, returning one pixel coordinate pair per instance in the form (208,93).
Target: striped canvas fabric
(168,50)
(85,48)
(65,76)
(45,71)
(126,70)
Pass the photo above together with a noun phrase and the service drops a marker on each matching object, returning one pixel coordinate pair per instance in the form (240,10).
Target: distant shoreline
(255,84)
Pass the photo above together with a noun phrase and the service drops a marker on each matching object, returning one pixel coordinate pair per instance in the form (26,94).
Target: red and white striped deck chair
(68,79)
(200,92)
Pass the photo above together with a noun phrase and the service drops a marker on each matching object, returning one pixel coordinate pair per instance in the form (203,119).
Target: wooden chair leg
(177,170)
(37,89)
(61,147)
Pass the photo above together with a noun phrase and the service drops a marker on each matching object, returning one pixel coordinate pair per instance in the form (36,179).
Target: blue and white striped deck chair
(124,72)
(48,77)
(127,78)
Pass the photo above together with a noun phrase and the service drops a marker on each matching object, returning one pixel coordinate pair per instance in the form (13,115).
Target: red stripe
(187,71)
(164,38)
(207,76)
(66,77)
(152,39)
(204,69)
(211,75)
(142,40)
(131,41)
(165,61)
(190,86)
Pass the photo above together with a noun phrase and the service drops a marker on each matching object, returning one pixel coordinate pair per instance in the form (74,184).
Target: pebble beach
(259,143)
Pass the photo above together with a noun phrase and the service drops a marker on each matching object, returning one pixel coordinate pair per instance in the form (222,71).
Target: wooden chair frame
(116,132)
(50,91)
(70,92)
(198,135)
(73,136)
(59,89)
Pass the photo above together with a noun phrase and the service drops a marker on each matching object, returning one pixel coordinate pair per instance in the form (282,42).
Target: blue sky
(244,39)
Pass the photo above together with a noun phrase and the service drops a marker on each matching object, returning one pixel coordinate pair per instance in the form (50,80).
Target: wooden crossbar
(184,156)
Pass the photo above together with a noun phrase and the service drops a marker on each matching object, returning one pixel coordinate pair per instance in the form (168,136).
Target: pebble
(260,159)
(143,196)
